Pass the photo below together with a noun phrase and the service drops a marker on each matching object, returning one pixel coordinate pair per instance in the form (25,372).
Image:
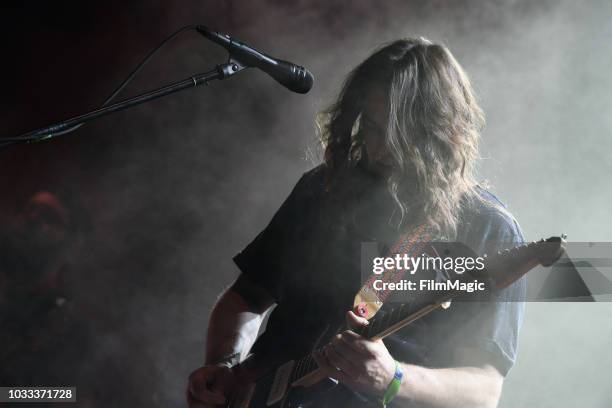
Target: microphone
(291,76)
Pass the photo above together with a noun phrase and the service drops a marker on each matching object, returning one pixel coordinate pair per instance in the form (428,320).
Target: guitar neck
(378,328)
(501,270)
(400,317)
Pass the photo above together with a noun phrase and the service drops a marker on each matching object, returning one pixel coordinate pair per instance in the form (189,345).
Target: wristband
(394,386)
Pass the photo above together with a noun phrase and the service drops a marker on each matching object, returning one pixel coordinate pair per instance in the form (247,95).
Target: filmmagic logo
(431,285)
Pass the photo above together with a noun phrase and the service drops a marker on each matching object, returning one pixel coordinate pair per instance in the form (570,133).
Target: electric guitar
(299,382)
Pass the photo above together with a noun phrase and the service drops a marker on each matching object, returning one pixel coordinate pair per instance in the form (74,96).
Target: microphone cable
(126,81)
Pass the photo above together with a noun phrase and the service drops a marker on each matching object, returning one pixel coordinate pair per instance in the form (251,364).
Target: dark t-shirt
(308,258)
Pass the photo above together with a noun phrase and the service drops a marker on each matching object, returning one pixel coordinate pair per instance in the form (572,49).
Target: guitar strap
(368,301)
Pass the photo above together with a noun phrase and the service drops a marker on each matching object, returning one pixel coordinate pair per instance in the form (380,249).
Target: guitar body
(257,394)
(277,387)
(274,391)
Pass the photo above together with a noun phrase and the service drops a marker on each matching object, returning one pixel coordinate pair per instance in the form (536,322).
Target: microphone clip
(231,67)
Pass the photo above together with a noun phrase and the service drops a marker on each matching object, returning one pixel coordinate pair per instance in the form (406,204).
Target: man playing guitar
(401,143)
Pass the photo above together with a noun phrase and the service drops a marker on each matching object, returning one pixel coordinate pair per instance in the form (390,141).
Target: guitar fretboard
(501,270)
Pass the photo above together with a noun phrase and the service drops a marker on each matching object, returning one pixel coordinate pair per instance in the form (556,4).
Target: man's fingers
(354,321)
(198,391)
(204,387)
(193,403)
(336,360)
(346,351)
(205,395)
(358,343)
(321,361)
(329,370)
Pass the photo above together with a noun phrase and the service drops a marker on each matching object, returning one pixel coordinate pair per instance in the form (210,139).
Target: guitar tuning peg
(564,236)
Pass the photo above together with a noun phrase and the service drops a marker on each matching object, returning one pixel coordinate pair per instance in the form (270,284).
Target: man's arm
(235,321)
(460,387)
(232,329)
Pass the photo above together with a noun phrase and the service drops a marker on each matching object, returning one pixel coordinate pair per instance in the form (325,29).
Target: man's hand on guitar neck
(366,366)
(361,364)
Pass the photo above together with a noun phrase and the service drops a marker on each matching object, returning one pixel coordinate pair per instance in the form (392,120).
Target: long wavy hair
(432,133)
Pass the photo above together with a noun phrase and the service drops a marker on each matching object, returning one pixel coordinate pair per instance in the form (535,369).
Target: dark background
(164,194)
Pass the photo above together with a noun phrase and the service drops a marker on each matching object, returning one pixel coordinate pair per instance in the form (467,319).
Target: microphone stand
(222,71)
